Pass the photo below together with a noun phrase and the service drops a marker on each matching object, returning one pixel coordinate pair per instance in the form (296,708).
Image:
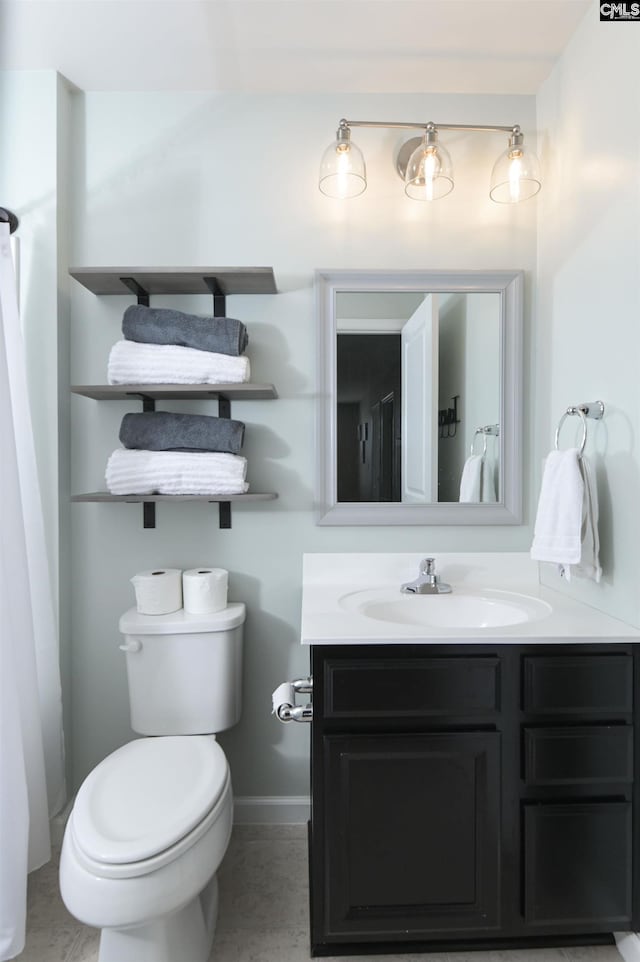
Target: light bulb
(342,168)
(515,175)
(428,174)
(431,171)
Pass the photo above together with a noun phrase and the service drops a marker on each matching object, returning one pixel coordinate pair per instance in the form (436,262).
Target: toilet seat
(147,802)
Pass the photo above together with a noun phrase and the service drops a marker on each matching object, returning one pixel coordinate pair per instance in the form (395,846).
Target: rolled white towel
(175,472)
(131,362)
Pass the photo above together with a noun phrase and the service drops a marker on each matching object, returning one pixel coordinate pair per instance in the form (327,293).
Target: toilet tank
(184,671)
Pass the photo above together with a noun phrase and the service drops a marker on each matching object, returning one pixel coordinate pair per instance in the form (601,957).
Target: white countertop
(329,578)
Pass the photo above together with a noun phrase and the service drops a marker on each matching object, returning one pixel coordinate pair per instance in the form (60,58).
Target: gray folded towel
(160,325)
(164,431)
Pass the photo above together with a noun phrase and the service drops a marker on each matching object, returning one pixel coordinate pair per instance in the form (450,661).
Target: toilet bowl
(147,833)
(151,823)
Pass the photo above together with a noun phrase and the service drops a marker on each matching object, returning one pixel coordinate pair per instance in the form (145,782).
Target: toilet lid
(148,795)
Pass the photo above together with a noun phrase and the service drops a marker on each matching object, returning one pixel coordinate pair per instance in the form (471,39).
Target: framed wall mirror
(419,417)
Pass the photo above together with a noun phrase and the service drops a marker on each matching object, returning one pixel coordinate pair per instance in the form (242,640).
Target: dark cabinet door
(577,865)
(412,842)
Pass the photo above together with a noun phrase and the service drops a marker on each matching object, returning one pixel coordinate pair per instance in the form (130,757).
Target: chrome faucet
(427,582)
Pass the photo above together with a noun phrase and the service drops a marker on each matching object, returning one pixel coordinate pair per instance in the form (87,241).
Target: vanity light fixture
(425,165)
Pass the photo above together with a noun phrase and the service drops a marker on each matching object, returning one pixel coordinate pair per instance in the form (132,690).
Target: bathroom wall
(197,179)
(587,335)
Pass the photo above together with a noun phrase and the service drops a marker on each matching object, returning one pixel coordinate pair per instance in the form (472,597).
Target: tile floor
(262,917)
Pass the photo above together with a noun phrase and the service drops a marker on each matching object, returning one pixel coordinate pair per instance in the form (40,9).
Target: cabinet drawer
(577,869)
(575,756)
(597,684)
(410,687)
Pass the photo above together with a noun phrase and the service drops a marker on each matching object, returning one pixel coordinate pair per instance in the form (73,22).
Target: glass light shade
(429,173)
(515,176)
(342,170)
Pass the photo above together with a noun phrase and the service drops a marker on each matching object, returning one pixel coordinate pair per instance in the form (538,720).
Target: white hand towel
(131,362)
(557,531)
(566,527)
(175,472)
(471,480)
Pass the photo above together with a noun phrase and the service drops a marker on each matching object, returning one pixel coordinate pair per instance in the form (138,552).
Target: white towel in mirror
(477,482)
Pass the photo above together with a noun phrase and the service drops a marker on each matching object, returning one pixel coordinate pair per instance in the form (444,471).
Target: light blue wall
(195,179)
(587,342)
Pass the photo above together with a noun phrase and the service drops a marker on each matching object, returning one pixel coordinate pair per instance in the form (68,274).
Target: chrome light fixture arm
(430,125)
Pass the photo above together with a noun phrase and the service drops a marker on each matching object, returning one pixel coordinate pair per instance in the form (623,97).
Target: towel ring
(567,414)
(589,409)
(484,441)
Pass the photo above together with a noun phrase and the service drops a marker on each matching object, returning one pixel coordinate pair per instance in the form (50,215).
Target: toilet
(151,823)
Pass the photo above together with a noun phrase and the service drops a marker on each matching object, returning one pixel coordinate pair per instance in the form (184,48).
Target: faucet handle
(428,566)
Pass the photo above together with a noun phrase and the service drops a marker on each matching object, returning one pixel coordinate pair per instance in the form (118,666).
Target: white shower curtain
(31,745)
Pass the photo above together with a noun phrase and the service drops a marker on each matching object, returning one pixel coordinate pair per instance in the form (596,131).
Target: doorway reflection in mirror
(401,358)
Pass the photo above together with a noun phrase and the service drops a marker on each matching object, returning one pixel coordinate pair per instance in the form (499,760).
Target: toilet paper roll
(283,697)
(205,590)
(159,591)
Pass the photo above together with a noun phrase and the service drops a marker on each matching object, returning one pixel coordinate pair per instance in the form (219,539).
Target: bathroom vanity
(472,785)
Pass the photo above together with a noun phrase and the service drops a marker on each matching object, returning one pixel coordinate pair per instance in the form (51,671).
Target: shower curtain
(31,745)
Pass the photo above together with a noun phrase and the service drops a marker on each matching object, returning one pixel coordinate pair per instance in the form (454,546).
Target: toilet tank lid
(181,622)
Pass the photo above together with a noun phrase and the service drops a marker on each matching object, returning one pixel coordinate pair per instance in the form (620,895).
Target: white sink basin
(485,608)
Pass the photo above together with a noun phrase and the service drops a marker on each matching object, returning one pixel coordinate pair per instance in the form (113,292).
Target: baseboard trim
(628,945)
(247,810)
(272,810)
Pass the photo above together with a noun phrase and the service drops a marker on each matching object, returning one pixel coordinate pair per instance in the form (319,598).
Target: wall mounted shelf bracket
(149,404)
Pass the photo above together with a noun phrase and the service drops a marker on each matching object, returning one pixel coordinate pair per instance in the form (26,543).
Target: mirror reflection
(418,394)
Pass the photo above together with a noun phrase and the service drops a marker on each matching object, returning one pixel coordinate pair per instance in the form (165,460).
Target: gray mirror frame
(510,286)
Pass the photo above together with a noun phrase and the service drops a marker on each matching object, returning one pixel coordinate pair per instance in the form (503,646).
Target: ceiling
(368,46)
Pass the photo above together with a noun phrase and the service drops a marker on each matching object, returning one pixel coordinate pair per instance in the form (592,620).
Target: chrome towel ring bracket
(588,409)
(492,429)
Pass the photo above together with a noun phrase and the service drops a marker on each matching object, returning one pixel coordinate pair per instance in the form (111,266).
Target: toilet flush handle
(133,645)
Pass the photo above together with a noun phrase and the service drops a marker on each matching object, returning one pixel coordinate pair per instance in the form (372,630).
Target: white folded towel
(175,472)
(131,362)
(476,483)
(566,527)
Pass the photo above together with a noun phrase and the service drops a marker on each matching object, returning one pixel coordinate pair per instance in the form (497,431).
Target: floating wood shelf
(177,280)
(149,501)
(177,392)
(140,498)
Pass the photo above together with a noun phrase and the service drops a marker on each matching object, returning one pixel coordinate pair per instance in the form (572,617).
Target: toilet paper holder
(288,711)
